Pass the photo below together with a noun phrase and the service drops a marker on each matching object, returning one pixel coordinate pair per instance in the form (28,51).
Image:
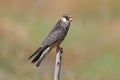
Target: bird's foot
(59,49)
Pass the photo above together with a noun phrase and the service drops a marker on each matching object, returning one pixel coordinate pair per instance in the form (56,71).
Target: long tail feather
(39,49)
(38,53)
(46,51)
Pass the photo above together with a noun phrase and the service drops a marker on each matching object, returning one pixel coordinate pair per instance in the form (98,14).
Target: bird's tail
(38,53)
(46,51)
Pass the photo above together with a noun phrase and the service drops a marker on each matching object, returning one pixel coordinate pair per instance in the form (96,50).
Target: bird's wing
(56,34)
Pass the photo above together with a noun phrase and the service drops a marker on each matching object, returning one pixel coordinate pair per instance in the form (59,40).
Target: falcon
(54,39)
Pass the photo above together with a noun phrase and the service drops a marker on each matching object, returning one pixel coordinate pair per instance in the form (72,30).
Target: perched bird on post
(54,39)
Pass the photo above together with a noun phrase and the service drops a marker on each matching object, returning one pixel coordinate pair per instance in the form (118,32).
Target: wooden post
(58,63)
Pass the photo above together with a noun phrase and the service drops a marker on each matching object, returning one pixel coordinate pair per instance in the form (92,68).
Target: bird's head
(66,18)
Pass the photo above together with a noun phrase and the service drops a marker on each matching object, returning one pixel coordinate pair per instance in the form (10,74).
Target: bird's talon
(59,49)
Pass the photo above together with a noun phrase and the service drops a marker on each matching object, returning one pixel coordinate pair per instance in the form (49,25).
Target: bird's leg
(59,49)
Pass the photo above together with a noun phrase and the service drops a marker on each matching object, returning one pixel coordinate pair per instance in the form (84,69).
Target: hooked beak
(70,18)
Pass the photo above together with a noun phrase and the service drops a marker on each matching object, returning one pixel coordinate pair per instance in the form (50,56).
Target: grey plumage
(54,38)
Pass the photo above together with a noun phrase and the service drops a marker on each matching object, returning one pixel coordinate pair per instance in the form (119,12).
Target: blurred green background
(91,49)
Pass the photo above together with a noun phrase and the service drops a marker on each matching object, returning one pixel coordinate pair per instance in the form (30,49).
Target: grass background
(91,49)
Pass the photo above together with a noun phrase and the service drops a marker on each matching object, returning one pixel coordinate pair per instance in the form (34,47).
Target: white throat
(63,19)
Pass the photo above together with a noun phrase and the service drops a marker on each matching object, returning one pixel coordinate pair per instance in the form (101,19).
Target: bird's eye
(67,17)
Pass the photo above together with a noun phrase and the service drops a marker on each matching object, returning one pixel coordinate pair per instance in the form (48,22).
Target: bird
(54,39)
